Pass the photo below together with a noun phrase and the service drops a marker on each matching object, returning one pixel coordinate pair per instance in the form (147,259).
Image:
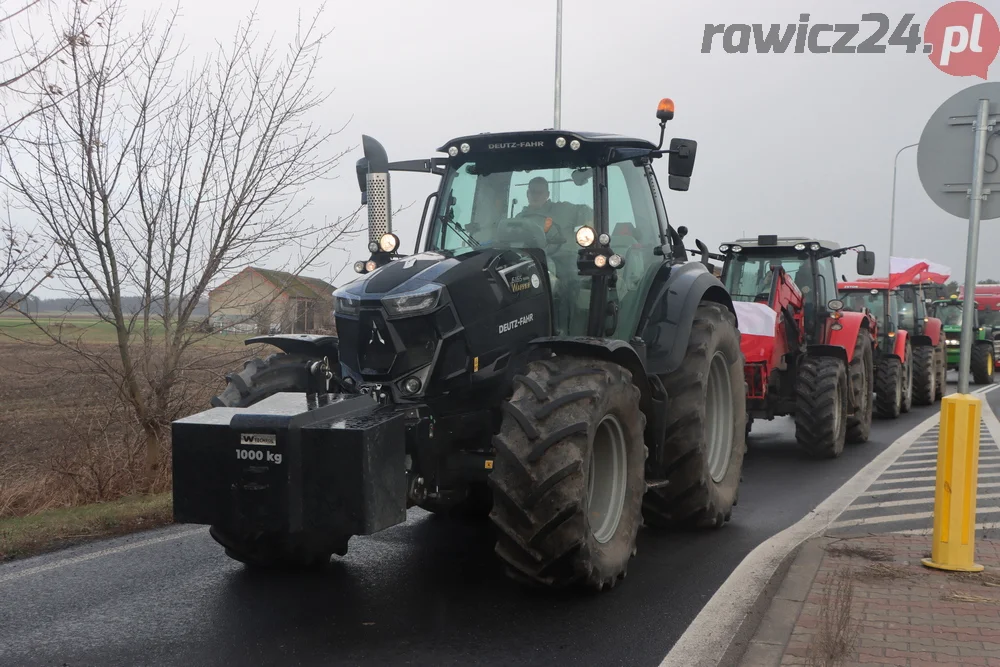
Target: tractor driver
(560,220)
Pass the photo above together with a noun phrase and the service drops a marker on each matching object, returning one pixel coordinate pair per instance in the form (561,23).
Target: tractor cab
(886,305)
(752,264)
(585,206)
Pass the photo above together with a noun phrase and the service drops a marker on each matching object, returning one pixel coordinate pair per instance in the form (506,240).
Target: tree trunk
(151,467)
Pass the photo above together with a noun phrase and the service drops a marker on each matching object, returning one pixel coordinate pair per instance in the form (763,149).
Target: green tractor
(949,311)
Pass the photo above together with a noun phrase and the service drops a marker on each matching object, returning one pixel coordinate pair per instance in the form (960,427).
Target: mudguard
(608,349)
(307,344)
(932,330)
(669,311)
(846,337)
(899,349)
(653,397)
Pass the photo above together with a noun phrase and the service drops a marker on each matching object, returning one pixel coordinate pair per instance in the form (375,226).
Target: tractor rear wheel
(821,406)
(568,477)
(925,375)
(907,379)
(701,459)
(259,379)
(862,380)
(889,388)
(982,362)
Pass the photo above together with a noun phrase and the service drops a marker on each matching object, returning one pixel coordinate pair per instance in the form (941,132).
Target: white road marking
(925,468)
(920,489)
(892,518)
(930,531)
(20,574)
(913,501)
(931,478)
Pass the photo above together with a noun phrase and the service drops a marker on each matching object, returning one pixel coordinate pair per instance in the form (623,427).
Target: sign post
(951,161)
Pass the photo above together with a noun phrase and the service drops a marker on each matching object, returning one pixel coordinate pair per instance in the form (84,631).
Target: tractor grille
(376,351)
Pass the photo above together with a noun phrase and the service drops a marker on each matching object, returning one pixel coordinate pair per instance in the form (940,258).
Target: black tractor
(548,357)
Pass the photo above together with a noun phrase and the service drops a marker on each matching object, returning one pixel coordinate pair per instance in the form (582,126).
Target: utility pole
(558,87)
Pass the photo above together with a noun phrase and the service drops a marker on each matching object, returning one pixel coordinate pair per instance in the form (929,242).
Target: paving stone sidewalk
(860,601)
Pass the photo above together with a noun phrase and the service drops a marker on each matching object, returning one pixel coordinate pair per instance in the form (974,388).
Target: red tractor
(805,355)
(911,359)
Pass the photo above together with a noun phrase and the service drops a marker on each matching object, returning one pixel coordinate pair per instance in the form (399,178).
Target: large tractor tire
(942,357)
(889,388)
(568,477)
(925,375)
(701,460)
(821,406)
(982,362)
(259,379)
(907,379)
(861,374)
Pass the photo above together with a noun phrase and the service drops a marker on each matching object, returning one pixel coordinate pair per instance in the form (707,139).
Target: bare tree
(34,36)
(158,181)
(22,266)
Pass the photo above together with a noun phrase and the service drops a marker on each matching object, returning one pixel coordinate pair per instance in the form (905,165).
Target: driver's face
(537,197)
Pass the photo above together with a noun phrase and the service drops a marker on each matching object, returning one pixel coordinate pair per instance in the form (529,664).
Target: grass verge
(56,528)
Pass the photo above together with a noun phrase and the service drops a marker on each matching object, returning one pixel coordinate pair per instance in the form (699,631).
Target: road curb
(776,624)
(757,615)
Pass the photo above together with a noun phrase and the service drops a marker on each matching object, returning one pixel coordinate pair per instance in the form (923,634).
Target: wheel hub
(606,479)
(719,417)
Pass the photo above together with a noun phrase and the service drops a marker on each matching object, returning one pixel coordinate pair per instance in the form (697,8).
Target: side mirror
(681,163)
(866,263)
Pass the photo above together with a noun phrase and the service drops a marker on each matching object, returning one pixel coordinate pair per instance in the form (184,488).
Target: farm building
(263,300)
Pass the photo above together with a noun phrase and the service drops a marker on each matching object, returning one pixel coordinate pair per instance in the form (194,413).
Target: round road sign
(946,152)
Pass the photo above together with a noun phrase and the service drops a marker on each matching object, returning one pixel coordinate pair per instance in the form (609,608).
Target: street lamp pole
(892,216)
(558,87)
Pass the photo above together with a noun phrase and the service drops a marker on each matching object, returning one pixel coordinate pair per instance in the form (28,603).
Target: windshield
(950,314)
(748,277)
(989,318)
(856,300)
(502,205)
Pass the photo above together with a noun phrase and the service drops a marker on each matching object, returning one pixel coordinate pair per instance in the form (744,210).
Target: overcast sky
(788,143)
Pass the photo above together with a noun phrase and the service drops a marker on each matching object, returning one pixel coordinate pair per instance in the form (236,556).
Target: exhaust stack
(373,178)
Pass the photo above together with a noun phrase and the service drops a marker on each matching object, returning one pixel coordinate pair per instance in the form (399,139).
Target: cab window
(827,287)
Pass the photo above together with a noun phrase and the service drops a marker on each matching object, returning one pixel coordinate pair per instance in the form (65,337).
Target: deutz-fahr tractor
(894,351)
(806,356)
(984,341)
(560,366)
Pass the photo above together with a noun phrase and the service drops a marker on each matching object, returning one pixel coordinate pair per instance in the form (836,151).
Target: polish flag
(905,270)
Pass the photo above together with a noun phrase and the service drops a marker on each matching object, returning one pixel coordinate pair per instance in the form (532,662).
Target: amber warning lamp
(665,110)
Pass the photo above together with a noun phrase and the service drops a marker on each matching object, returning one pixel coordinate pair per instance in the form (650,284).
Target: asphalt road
(428,592)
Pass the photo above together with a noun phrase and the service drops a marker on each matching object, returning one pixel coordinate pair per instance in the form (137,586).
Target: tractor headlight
(723,248)
(412,385)
(600,261)
(372,246)
(615,261)
(835,304)
(737,248)
(388,242)
(359,267)
(413,303)
(800,246)
(585,236)
(347,305)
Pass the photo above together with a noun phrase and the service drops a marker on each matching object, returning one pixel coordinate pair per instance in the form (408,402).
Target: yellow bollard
(955,490)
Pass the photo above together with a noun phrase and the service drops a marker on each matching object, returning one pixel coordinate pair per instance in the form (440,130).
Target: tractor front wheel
(982,362)
(889,388)
(568,478)
(821,406)
(907,401)
(925,375)
(861,375)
